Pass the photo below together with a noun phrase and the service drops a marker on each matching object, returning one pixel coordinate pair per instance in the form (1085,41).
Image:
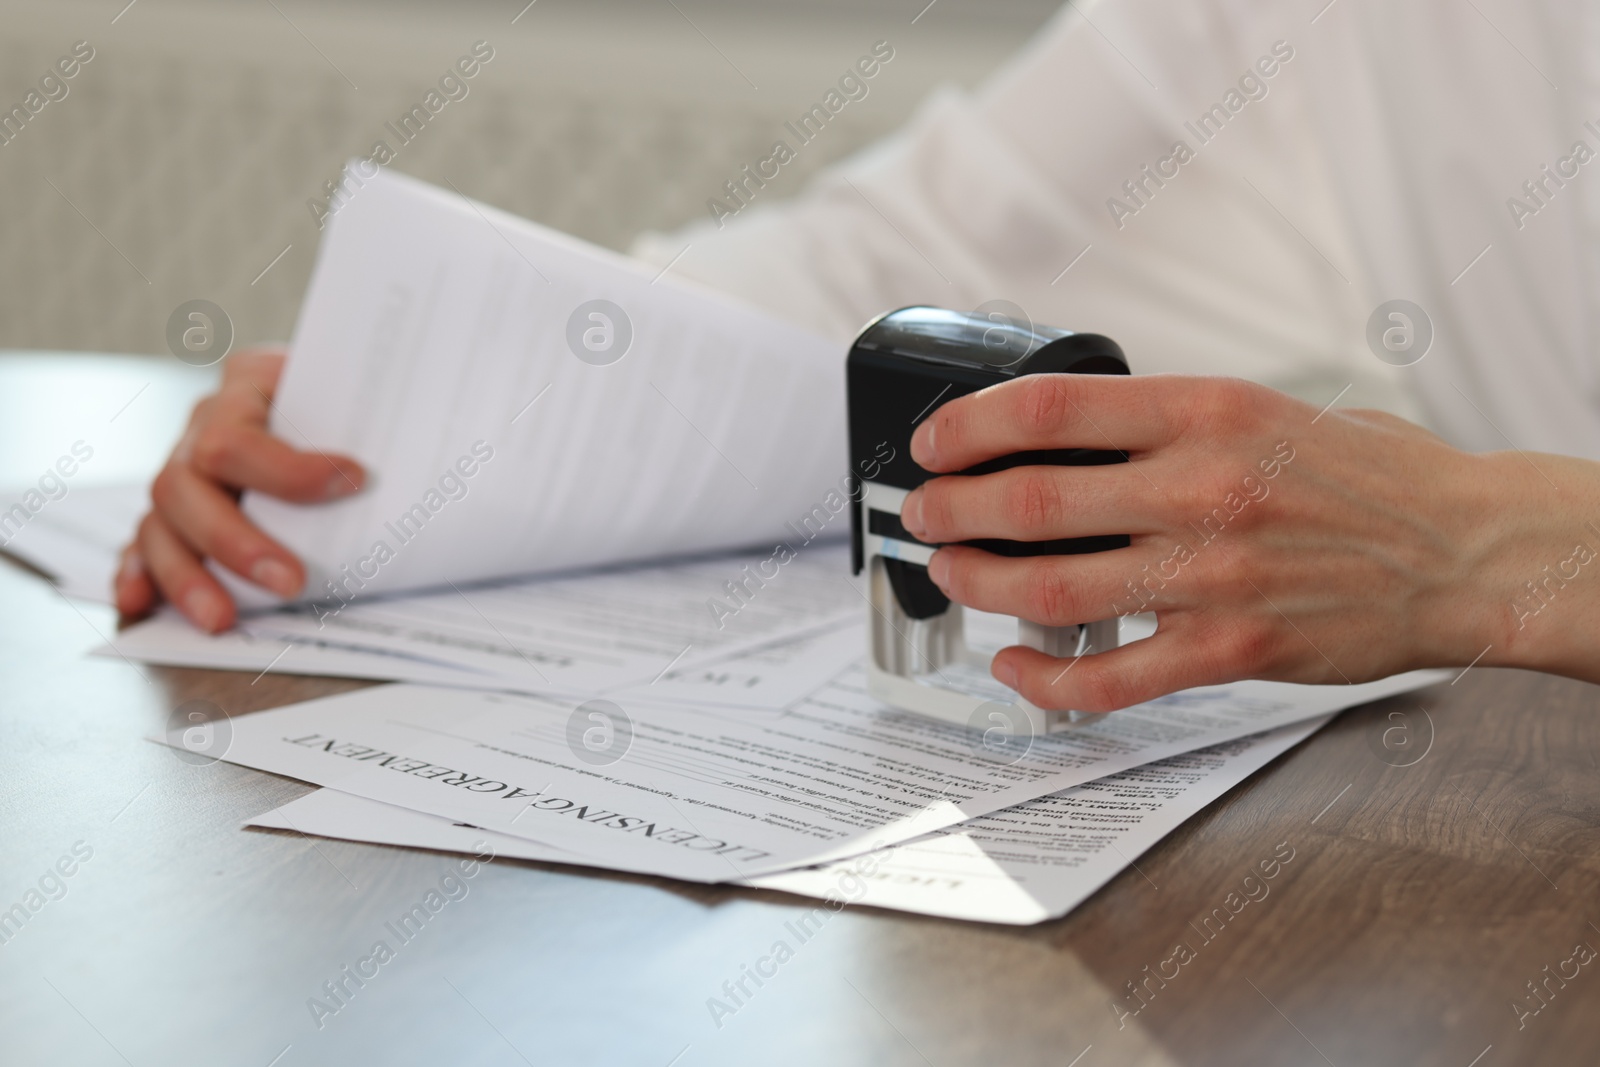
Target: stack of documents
(720,794)
(600,560)
(1035,861)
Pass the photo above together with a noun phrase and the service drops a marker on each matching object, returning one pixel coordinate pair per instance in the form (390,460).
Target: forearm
(1536,596)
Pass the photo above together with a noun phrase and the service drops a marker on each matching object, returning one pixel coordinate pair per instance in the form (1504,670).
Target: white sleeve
(1226,266)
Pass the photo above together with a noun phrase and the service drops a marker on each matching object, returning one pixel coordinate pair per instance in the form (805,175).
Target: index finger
(254,369)
(249,381)
(1047,411)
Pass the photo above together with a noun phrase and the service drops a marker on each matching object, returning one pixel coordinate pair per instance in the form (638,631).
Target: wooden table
(1420,901)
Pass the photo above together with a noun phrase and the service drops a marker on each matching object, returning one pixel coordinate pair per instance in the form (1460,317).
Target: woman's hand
(1271,540)
(196,515)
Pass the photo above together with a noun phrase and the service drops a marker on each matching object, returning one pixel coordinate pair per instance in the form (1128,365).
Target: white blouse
(1237,187)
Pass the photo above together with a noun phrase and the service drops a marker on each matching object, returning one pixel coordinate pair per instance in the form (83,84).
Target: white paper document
(719,795)
(530,403)
(1032,862)
(1041,859)
(771,675)
(596,632)
(168,639)
(646,631)
(76,539)
(347,817)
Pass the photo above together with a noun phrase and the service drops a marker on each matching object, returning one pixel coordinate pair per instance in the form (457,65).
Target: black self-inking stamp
(901,368)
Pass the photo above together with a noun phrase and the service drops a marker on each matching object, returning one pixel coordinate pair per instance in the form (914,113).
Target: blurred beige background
(180,163)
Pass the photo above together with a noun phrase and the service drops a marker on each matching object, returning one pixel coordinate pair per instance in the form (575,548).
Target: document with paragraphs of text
(1042,858)
(727,794)
(1032,862)
(595,632)
(529,403)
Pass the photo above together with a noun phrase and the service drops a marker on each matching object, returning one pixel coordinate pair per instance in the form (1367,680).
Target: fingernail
(275,575)
(204,608)
(911,514)
(922,445)
(1005,674)
(340,484)
(132,567)
(939,570)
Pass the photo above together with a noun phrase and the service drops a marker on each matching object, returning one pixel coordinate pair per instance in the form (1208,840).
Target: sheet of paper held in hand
(1035,861)
(527,402)
(718,795)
